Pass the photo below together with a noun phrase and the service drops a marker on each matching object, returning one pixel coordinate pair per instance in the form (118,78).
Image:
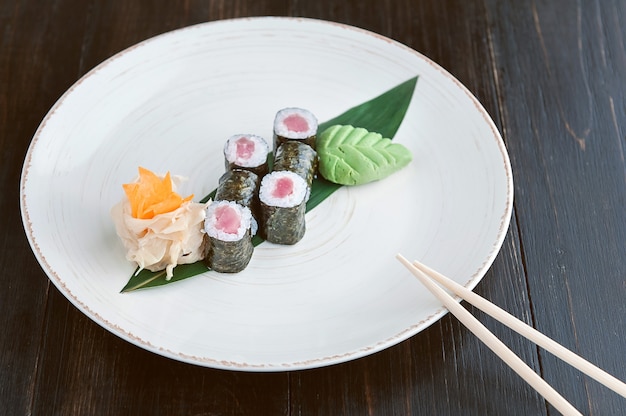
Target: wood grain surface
(552,74)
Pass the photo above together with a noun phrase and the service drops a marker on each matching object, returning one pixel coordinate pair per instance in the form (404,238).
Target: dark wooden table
(553,76)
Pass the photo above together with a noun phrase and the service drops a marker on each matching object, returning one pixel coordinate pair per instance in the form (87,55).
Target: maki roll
(297,157)
(282,195)
(247,151)
(240,186)
(227,227)
(294,124)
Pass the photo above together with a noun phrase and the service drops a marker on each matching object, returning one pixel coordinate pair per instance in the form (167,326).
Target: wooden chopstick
(527,331)
(497,346)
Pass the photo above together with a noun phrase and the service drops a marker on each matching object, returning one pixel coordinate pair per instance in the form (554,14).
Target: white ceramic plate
(169,103)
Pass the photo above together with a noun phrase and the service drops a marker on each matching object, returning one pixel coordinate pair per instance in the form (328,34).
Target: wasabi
(353,156)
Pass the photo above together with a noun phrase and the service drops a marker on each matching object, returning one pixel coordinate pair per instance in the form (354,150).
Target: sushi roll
(283,205)
(247,151)
(297,157)
(227,227)
(240,186)
(294,124)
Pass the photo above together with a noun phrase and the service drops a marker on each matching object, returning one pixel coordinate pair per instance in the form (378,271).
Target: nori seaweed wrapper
(283,225)
(240,186)
(229,256)
(280,140)
(297,157)
(259,170)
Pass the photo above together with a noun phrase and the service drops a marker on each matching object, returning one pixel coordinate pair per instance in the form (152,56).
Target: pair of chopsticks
(428,277)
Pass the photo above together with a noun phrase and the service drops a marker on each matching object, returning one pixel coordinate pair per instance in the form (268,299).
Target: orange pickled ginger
(152,195)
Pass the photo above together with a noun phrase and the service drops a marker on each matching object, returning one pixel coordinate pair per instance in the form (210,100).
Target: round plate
(169,104)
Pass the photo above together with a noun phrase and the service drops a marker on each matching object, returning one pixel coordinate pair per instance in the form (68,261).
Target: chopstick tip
(404,261)
(400,257)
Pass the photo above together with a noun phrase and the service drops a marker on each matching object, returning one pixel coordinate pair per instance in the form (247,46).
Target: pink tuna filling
(282,188)
(296,123)
(227,219)
(245,148)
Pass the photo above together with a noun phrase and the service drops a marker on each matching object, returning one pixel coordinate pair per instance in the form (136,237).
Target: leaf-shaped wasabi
(353,156)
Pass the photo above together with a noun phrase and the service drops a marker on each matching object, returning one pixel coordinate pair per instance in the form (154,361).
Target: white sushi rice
(268,184)
(245,216)
(281,130)
(259,156)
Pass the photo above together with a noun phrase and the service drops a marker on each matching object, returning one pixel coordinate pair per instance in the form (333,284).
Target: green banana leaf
(382,114)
